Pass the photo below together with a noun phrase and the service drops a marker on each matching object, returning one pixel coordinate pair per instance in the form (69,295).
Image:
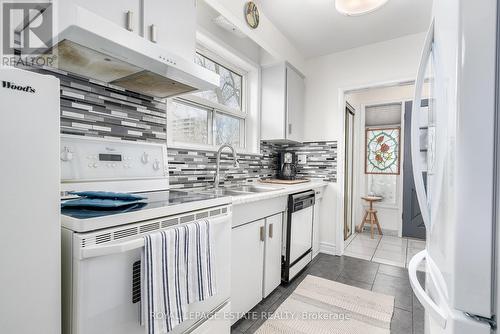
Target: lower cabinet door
(247,266)
(272,262)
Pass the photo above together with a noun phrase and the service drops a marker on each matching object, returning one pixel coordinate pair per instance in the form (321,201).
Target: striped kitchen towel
(178,269)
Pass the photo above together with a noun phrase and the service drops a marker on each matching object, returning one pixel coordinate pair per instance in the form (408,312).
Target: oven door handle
(116,248)
(95,251)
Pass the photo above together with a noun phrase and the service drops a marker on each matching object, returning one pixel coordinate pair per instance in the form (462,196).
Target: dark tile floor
(408,315)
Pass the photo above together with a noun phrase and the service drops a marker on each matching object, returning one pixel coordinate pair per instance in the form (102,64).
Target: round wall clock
(252,14)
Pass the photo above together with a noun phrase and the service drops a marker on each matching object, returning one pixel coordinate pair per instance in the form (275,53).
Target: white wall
(245,46)
(266,35)
(387,61)
(326,79)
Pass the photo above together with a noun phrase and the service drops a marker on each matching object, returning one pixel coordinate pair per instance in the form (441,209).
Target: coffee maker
(287,164)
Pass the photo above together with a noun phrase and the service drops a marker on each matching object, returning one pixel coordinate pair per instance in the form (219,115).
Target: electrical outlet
(302,159)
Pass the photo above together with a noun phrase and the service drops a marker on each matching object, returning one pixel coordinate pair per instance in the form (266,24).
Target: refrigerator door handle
(426,301)
(415,127)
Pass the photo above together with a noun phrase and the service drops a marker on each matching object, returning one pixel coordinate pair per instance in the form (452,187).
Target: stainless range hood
(93,47)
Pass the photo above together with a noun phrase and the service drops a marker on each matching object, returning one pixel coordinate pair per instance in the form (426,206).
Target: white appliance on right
(460,204)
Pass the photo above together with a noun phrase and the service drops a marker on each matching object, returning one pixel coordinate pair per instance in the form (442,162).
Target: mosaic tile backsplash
(192,169)
(321,158)
(92,108)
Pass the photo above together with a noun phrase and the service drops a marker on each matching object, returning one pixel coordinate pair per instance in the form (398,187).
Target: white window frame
(214,108)
(207,41)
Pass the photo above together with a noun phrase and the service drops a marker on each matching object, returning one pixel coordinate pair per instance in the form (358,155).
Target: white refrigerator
(30,238)
(460,203)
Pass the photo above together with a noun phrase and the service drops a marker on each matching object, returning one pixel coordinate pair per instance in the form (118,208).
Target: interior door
(413,223)
(349,170)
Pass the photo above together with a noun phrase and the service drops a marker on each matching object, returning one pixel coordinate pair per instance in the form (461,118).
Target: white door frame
(359,166)
(339,238)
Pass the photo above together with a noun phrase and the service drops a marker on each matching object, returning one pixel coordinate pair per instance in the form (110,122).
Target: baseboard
(327,248)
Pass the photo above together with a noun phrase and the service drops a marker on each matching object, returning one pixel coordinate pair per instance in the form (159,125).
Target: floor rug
(321,306)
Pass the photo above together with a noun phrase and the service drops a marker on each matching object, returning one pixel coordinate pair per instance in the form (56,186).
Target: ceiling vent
(224,23)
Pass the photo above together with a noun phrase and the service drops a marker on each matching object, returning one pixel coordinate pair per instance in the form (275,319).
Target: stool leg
(372,222)
(378,224)
(360,227)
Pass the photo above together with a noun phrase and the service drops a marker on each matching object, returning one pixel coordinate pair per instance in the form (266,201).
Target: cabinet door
(272,261)
(117,11)
(273,121)
(172,25)
(294,104)
(316,223)
(247,263)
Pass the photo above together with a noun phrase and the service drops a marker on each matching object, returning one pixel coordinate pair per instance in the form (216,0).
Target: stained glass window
(382,151)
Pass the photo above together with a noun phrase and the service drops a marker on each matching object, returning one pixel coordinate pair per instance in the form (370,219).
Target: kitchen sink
(224,192)
(237,190)
(253,189)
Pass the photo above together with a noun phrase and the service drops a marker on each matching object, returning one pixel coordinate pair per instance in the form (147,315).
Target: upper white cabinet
(125,13)
(171,24)
(168,23)
(283,92)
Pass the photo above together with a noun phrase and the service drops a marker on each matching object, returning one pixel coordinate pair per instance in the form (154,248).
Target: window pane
(383,185)
(189,124)
(229,91)
(227,130)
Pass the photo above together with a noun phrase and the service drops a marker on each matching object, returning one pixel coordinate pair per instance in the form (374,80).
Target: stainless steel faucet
(219,152)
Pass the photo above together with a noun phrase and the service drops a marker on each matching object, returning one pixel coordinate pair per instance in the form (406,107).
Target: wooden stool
(370,215)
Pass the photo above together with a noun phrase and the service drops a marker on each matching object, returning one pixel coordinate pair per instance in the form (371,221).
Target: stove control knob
(145,158)
(156,165)
(66,155)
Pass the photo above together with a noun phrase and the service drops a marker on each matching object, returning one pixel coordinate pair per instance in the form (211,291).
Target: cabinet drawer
(319,192)
(244,213)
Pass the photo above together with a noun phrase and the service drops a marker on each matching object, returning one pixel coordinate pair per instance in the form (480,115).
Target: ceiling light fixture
(358,7)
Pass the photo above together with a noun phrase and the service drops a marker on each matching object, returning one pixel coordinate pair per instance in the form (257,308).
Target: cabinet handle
(154,34)
(271,231)
(262,233)
(289,128)
(130,23)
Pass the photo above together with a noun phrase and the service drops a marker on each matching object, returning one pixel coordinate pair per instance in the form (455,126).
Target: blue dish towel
(177,269)
(108,195)
(97,203)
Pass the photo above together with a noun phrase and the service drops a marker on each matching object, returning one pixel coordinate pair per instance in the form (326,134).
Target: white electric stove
(102,247)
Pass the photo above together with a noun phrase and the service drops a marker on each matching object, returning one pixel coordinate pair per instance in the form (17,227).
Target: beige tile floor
(384,249)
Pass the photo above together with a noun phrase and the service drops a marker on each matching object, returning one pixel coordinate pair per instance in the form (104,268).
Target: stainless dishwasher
(297,234)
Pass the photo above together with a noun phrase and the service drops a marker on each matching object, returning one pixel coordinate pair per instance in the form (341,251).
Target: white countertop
(92,224)
(281,190)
